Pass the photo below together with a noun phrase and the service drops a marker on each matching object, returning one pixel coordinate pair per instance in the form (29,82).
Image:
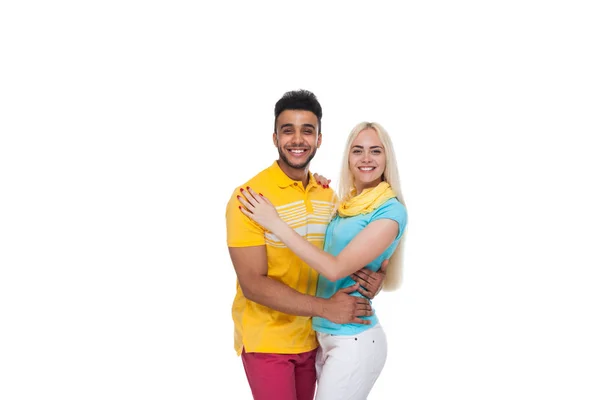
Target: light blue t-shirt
(340,232)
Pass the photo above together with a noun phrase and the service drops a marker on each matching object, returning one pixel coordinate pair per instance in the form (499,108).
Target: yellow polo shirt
(308,210)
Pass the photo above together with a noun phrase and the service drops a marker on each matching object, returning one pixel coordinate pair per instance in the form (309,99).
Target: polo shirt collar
(283,181)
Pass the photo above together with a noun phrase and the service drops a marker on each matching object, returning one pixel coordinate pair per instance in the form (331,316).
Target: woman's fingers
(245,202)
(260,198)
(254,195)
(246,212)
(321,180)
(253,198)
(248,196)
(267,201)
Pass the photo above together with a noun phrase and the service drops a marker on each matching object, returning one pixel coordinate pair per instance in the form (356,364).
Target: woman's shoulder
(392,207)
(392,204)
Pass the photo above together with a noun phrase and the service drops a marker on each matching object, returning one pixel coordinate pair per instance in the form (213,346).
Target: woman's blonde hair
(393,277)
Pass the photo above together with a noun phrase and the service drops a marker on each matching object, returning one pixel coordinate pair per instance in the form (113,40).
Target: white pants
(348,366)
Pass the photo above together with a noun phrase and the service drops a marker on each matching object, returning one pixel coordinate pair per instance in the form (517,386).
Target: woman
(366,230)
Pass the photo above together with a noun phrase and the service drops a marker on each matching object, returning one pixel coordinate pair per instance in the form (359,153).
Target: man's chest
(308,217)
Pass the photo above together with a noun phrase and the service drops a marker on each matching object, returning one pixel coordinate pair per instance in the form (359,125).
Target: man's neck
(295,174)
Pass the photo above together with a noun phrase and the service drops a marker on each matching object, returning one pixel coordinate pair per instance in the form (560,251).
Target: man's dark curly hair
(299,100)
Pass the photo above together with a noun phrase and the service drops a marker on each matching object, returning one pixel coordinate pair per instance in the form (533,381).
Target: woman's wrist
(279,226)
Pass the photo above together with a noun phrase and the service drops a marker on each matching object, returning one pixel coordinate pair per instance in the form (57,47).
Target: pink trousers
(281,376)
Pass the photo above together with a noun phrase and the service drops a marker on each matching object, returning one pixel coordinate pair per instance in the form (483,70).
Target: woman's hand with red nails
(259,209)
(321,180)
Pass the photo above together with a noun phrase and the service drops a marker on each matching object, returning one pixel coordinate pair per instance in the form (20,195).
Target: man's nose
(297,138)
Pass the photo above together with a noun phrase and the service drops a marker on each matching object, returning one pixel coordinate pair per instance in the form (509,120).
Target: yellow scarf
(367,201)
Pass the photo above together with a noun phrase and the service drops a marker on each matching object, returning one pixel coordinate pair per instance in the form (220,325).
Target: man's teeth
(366,168)
(297,151)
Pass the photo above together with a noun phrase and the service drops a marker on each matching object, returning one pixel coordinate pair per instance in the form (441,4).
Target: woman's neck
(370,185)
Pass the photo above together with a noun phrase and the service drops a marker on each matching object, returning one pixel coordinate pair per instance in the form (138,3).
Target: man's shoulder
(321,194)
(321,191)
(258,181)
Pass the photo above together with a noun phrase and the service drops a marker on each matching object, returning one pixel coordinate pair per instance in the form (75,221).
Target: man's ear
(319,140)
(275,138)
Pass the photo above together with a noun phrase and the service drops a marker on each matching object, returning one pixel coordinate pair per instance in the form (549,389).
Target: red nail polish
(240,207)
(247,187)
(260,194)
(241,190)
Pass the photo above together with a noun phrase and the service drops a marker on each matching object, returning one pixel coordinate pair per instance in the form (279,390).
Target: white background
(125,126)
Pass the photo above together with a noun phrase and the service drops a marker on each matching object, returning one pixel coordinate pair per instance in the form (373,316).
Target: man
(275,299)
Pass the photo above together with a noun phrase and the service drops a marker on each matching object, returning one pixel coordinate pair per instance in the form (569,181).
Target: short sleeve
(241,230)
(392,209)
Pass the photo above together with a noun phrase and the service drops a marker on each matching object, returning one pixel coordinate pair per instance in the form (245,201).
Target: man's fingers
(365,287)
(368,285)
(356,278)
(360,279)
(349,289)
(363,312)
(363,306)
(360,300)
(366,274)
(365,293)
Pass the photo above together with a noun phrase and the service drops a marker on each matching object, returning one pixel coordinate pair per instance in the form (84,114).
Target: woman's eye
(355,151)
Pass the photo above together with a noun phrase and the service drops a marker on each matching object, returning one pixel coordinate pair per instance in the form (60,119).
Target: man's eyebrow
(292,125)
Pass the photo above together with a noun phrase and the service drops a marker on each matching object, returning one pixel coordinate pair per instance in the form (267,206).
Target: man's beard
(303,165)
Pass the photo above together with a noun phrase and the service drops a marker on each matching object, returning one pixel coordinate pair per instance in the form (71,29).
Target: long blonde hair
(393,277)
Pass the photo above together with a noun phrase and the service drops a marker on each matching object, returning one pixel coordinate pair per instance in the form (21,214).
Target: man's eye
(308,132)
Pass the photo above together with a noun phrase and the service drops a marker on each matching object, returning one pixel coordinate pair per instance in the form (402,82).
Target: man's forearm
(280,297)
